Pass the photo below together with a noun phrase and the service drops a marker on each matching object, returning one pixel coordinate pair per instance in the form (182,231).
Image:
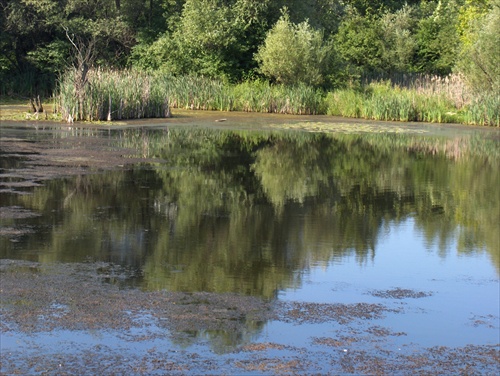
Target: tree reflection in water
(247,211)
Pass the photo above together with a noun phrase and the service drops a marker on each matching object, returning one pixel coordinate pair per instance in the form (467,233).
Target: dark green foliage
(359,43)
(437,38)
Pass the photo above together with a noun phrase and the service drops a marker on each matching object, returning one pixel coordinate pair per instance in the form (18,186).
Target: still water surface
(292,216)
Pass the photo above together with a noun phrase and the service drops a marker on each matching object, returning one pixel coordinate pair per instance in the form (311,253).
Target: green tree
(359,43)
(469,14)
(34,32)
(376,7)
(400,44)
(437,37)
(293,53)
(211,37)
(480,55)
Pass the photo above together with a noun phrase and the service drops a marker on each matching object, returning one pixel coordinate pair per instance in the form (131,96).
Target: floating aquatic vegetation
(347,127)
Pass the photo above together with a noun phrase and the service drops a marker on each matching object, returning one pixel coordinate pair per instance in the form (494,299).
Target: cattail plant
(113,95)
(131,94)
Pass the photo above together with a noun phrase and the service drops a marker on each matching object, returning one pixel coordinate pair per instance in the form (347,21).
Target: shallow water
(406,218)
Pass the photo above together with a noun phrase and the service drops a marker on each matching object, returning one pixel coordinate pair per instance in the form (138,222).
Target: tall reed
(484,110)
(382,101)
(452,86)
(200,93)
(132,94)
(261,96)
(110,95)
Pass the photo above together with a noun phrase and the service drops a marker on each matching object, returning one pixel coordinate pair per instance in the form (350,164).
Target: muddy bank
(62,318)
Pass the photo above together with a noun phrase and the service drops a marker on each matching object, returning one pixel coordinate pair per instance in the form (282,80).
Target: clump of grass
(347,102)
(196,92)
(452,86)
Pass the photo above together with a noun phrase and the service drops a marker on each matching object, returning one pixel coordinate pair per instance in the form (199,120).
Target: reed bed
(452,86)
(261,96)
(484,110)
(200,93)
(382,101)
(132,94)
(111,95)
(196,93)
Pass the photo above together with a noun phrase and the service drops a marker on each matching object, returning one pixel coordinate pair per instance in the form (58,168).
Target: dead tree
(85,53)
(36,106)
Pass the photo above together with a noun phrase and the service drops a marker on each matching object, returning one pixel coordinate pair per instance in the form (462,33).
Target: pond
(249,245)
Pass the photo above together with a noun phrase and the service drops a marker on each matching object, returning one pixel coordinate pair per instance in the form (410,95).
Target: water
(293,217)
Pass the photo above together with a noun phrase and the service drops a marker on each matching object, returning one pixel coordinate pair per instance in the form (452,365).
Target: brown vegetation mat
(38,297)
(57,156)
(87,298)
(399,293)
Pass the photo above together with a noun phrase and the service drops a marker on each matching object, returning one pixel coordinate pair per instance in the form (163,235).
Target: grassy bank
(382,101)
(110,95)
(129,94)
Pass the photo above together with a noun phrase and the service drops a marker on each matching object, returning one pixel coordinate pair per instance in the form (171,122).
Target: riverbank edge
(18,110)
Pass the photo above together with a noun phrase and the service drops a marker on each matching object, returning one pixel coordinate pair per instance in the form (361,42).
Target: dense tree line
(325,43)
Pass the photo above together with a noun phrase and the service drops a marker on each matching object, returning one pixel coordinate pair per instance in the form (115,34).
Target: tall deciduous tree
(400,45)
(437,37)
(34,34)
(214,38)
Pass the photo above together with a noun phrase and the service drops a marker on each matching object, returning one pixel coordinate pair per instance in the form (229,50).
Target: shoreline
(15,111)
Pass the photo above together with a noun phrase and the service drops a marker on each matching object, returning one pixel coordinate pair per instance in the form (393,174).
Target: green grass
(112,95)
(20,109)
(484,110)
(132,94)
(381,101)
